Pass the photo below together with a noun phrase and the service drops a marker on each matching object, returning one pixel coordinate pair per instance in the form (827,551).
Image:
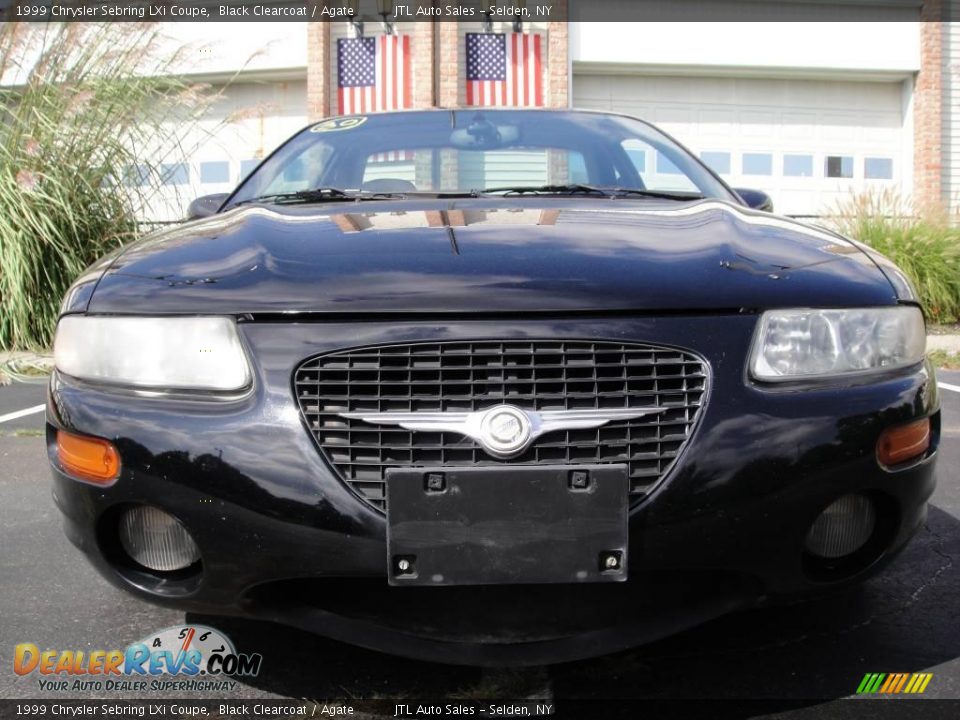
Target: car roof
(489,109)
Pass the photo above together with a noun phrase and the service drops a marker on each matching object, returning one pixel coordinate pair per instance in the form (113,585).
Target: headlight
(798,344)
(170,353)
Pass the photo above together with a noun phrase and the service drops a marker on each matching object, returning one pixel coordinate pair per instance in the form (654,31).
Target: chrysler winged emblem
(503,431)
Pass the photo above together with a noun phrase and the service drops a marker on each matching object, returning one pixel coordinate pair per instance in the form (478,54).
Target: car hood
(489,256)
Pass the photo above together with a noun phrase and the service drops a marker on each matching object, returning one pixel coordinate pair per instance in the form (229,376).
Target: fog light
(843,528)
(156,539)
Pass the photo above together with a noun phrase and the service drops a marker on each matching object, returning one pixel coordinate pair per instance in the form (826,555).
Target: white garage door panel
(247,122)
(766,120)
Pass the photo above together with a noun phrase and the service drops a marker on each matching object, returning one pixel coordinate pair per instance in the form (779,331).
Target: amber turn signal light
(904,442)
(88,458)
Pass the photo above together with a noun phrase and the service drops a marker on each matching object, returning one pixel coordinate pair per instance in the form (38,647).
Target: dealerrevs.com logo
(190,657)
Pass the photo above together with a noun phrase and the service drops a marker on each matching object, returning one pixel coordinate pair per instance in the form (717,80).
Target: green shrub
(925,246)
(81,106)
(945,359)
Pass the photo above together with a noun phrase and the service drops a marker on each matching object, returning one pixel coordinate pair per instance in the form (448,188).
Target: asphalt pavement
(905,620)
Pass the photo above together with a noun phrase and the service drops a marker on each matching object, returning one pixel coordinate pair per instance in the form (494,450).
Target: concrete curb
(7,355)
(9,372)
(949,343)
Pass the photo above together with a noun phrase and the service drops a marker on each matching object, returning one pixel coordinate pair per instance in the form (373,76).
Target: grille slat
(470,376)
(346,397)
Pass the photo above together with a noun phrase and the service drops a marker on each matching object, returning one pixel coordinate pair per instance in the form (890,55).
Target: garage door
(238,131)
(809,143)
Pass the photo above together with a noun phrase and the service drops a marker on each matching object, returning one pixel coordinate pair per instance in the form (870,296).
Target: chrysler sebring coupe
(497,386)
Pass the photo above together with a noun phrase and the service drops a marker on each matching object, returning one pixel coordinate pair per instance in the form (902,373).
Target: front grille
(469,376)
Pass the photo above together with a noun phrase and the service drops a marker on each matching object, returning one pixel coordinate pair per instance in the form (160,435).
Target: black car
(490,386)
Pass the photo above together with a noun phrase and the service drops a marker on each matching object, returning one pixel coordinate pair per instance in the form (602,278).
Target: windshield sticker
(339,124)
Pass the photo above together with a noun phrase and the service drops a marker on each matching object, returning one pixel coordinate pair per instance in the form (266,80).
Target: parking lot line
(39,408)
(948,386)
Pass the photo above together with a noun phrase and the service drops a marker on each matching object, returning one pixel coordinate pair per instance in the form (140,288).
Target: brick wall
(423,48)
(319,81)
(927,108)
(558,67)
(447,68)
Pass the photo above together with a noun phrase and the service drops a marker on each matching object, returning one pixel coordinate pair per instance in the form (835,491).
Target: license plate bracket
(507,524)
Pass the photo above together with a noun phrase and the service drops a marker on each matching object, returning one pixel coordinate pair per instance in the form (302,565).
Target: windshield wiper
(323,194)
(581,189)
(569,189)
(664,194)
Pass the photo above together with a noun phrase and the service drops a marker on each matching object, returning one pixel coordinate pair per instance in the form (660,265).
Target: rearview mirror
(481,134)
(205,205)
(756,199)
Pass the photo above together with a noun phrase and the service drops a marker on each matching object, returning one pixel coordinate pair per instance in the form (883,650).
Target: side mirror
(756,199)
(205,205)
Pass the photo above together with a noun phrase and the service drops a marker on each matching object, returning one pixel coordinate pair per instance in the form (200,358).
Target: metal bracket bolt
(435,482)
(611,560)
(404,565)
(579,480)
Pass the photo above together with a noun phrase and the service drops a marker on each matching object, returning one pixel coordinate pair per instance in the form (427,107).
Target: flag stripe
(521,70)
(538,70)
(511,82)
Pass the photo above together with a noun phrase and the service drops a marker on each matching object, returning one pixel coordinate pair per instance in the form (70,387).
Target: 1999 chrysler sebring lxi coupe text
(490,387)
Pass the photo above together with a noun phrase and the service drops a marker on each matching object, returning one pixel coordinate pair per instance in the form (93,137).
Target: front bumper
(282,538)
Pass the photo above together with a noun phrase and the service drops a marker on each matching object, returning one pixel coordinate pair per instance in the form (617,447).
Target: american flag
(373,74)
(393,156)
(504,69)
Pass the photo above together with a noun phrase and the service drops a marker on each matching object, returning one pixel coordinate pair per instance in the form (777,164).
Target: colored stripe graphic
(894,683)
(870,683)
(918,683)
(891,680)
(901,682)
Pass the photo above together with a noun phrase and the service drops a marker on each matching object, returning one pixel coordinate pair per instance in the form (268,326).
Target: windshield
(466,151)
